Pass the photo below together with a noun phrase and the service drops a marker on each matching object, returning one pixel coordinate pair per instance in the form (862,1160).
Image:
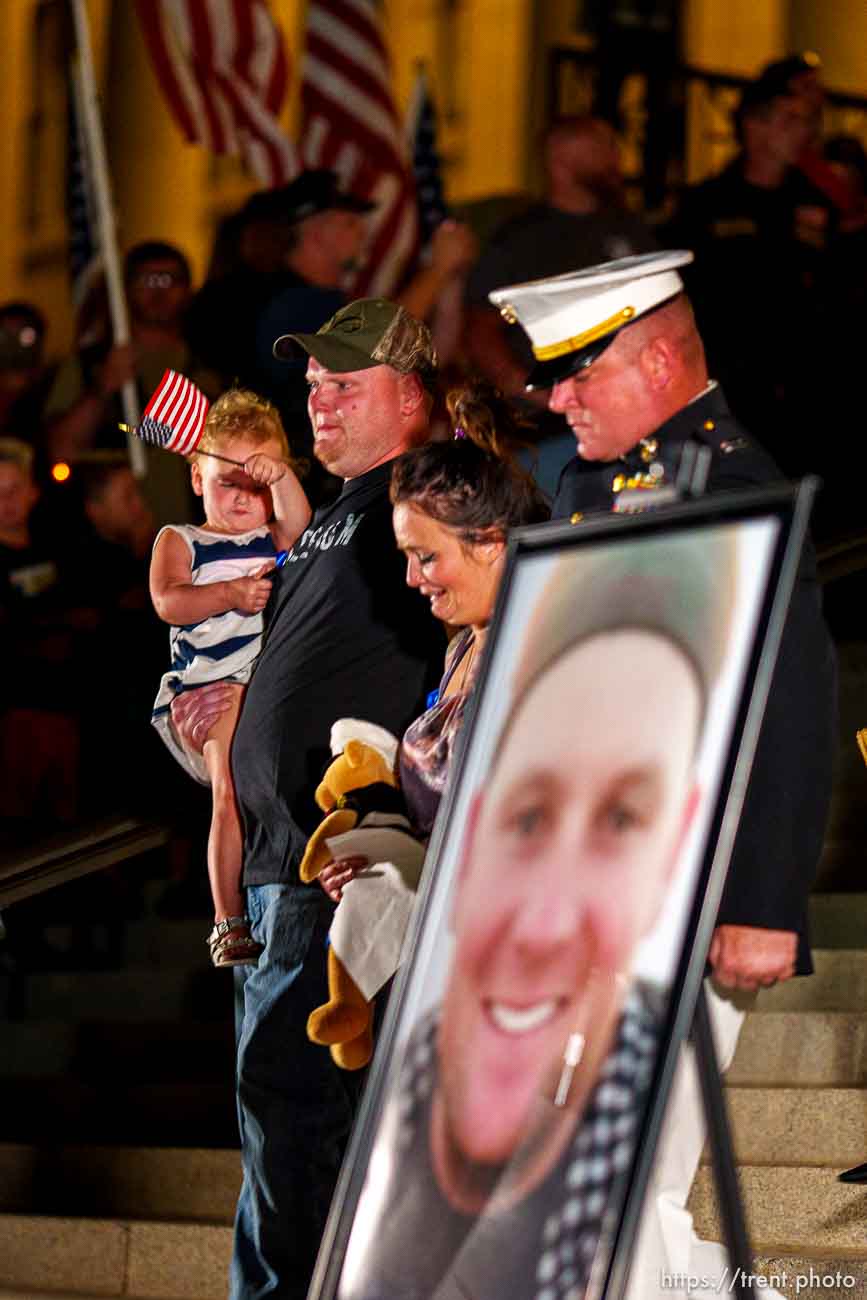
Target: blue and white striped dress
(222,647)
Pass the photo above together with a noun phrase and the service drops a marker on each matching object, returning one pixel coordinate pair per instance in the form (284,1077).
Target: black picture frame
(778,518)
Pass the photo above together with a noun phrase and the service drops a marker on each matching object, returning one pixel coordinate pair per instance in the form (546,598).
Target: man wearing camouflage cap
(345,638)
(617,347)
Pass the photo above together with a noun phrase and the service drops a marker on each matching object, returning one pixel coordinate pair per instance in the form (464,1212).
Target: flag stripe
(168,74)
(179,415)
(175,415)
(331,56)
(342,98)
(329,30)
(222,65)
(351,125)
(201,47)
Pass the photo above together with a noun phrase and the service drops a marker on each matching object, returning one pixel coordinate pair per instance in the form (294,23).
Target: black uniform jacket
(782,826)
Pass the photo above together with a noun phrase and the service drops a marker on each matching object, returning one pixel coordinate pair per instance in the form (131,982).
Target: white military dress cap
(572,318)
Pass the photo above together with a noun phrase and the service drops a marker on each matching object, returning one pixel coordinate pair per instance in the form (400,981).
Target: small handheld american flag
(175,415)
(174,418)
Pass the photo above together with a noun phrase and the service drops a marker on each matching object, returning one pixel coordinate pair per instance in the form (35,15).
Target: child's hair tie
(460,432)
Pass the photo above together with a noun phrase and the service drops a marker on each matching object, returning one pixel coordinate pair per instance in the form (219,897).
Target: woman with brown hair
(454,504)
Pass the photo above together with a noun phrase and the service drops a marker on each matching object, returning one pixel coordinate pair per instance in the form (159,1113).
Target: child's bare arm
(177,600)
(291,507)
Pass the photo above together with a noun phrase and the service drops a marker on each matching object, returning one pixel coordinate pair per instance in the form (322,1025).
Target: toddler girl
(212,583)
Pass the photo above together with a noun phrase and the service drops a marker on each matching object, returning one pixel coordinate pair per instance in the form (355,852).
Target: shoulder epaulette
(725,436)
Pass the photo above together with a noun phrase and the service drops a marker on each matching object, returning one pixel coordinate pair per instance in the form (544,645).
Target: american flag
(426,165)
(350,125)
(222,65)
(85,263)
(175,416)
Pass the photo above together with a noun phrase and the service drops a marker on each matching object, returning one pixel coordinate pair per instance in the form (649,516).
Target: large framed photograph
(570,891)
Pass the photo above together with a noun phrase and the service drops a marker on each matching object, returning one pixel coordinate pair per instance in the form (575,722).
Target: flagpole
(84,87)
(416,100)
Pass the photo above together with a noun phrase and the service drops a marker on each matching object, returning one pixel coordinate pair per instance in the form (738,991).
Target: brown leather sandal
(232,944)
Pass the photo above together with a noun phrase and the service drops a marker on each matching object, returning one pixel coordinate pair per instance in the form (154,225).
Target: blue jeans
(295,1107)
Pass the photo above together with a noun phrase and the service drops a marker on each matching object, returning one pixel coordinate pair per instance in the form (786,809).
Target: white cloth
(371,919)
(667,1250)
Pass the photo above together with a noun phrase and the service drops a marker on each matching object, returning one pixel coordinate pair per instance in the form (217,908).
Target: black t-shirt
(345,637)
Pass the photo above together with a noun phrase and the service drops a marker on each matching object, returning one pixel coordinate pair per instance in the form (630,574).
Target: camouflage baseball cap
(369,332)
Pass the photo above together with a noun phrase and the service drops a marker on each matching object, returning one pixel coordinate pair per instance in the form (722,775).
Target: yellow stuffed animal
(359,786)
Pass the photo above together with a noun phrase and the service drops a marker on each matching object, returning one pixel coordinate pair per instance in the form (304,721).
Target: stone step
(31,1294)
(143,1051)
(148,941)
(117,995)
(840,920)
(37,1048)
(113,1257)
(165,1183)
(806,1049)
(842,867)
(839,984)
(196,1113)
(790,1211)
(799,1126)
(804,1278)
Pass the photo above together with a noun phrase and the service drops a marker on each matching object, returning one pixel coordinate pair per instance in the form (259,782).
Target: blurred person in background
(39,723)
(297,240)
(639,36)
(24,375)
(83,407)
(581,220)
(760,231)
(114,504)
(110,560)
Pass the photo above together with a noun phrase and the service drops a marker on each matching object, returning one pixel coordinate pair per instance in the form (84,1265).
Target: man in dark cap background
(326,244)
(294,244)
(582,219)
(345,638)
(618,350)
(760,230)
(290,253)
(325,237)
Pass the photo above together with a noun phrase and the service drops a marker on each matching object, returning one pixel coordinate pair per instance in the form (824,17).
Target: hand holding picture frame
(570,891)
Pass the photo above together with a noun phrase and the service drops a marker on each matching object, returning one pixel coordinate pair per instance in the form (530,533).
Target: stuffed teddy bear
(364,808)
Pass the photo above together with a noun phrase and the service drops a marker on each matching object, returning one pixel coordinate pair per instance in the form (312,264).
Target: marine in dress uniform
(573,321)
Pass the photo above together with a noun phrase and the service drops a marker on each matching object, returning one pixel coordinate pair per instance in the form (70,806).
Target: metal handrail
(66,857)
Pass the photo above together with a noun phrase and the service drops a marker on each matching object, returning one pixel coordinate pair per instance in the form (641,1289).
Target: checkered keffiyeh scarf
(579,1191)
(601,1151)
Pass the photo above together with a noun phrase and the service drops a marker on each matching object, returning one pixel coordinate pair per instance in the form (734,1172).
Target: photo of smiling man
(499,1167)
